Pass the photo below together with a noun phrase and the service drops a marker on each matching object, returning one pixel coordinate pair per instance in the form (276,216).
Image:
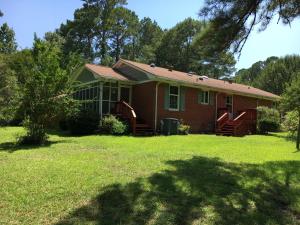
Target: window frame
(178,97)
(204,92)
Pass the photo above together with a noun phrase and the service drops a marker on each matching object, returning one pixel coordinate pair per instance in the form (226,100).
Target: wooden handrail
(239,121)
(222,120)
(127,112)
(240,117)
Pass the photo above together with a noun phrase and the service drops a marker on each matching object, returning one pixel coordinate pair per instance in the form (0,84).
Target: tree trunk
(298,136)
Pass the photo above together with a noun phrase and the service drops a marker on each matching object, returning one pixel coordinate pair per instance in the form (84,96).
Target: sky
(40,16)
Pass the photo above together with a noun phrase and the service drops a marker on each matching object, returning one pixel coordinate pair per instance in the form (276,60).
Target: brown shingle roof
(194,79)
(106,72)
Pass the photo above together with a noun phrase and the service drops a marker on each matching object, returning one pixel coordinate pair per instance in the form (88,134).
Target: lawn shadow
(12,147)
(282,136)
(199,191)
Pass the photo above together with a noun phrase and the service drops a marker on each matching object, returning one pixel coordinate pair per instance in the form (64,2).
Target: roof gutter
(160,79)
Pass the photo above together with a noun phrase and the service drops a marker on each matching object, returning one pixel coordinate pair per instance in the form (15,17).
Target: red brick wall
(241,103)
(143,101)
(201,118)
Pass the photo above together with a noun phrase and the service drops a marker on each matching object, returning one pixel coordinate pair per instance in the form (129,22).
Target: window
(229,103)
(204,97)
(89,97)
(110,97)
(174,98)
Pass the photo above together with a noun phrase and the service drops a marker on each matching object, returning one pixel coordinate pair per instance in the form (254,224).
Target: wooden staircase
(138,126)
(243,124)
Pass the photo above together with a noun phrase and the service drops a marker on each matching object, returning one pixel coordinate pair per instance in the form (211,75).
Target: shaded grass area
(200,191)
(196,179)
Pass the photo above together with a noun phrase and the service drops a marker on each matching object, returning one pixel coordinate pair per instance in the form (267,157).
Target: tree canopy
(8,43)
(270,75)
(179,48)
(232,21)
(291,101)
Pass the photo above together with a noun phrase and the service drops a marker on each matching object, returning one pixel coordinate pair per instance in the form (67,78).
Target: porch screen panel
(89,97)
(110,97)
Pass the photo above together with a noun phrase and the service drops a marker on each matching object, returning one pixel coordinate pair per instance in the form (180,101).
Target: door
(125,93)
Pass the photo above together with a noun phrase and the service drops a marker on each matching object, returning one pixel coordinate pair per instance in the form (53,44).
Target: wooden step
(143,129)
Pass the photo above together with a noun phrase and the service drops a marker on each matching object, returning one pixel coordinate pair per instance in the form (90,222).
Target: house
(146,94)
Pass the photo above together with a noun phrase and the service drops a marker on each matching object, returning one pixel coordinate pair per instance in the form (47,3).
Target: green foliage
(88,33)
(265,126)
(268,120)
(22,63)
(111,125)
(232,21)
(180,48)
(271,75)
(176,46)
(290,123)
(149,37)
(8,43)
(9,92)
(83,123)
(35,133)
(123,31)
(184,129)
(291,101)
(46,90)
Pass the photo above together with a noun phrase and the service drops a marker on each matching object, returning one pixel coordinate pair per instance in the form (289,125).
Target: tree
(291,101)
(123,31)
(232,21)
(176,46)
(149,36)
(9,91)
(272,74)
(80,34)
(105,22)
(88,34)
(249,76)
(45,91)
(1,13)
(179,48)
(8,43)
(21,62)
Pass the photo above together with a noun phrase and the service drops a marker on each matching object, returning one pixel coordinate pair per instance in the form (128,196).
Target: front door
(125,94)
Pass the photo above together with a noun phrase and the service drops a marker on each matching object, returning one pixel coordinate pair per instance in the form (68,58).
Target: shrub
(35,134)
(184,129)
(268,120)
(111,125)
(265,126)
(83,123)
(290,123)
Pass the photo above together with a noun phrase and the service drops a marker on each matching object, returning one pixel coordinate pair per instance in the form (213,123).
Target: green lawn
(195,179)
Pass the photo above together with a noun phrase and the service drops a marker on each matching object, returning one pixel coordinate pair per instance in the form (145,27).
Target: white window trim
(208,98)
(178,97)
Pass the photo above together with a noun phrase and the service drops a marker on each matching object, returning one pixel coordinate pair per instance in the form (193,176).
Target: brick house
(146,94)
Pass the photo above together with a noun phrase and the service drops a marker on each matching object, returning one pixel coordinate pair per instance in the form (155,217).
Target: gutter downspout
(216,116)
(156,103)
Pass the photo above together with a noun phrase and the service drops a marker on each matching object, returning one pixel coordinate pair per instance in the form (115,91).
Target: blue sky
(40,16)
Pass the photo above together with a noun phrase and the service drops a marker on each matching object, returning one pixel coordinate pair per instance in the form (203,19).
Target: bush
(83,123)
(111,125)
(290,123)
(184,129)
(265,126)
(35,135)
(268,120)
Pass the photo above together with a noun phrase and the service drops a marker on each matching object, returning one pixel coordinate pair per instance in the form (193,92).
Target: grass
(195,179)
